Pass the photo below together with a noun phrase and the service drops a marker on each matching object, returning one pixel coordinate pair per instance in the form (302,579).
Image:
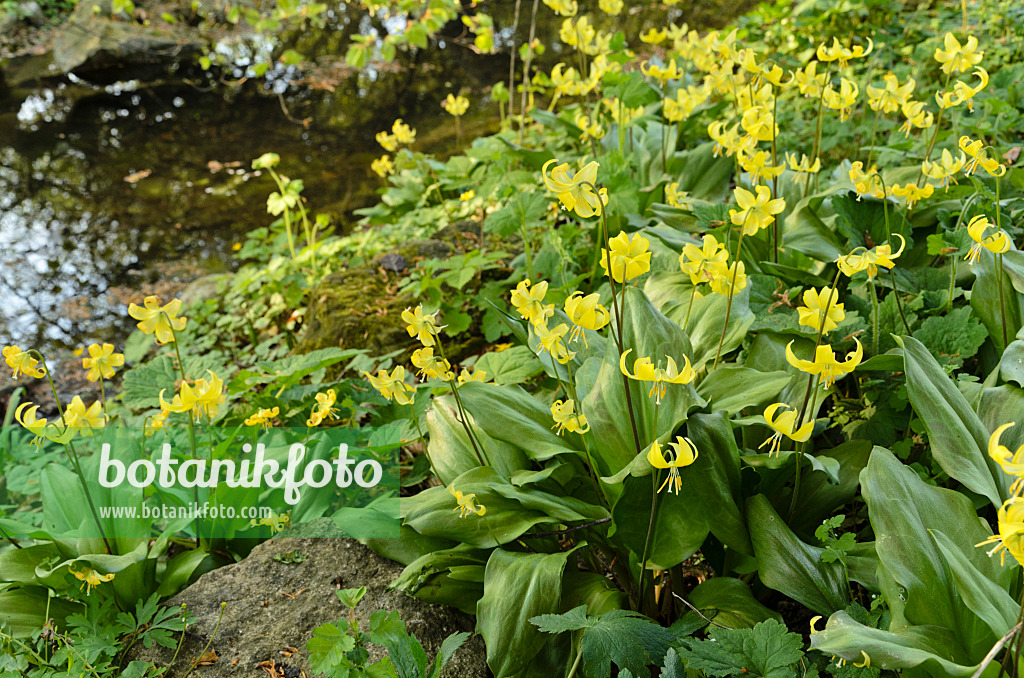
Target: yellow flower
(155,423)
(977,151)
(654,37)
(911,192)
(803,165)
(945,169)
(159,320)
(563,7)
(89,577)
(262,417)
(729,141)
(842,54)
(553,341)
(566,83)
(842,100)
(585,314)
(383,166)
(813,312)
(675,197)
(529,301)
(324,408)
(629,257)
(809,81)
(465,502)
(757,165)
(40,428)
(590,129)
(644,370)
(431,366)
(275,521)
(468,195)
(862,259)
(566,418)
(477,375)
(403,133)
(613,7)
(866,183)
(784,425)
(759,123)
(772,72)
(888,99)
(997,242)
(203,398)
(755,213)
(576,192)
(387,141)
(662,74)
(965,92)
(101,361)
(722,278)
(22,362)
(1011,463)
(957,57)
(825,363)
(392,386)
(684,454)
(77,416)
(699,262)
(1010,536)
(916,116)
(456,105)
(423,327)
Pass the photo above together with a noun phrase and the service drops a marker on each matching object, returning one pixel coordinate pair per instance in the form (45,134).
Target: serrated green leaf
(768,650)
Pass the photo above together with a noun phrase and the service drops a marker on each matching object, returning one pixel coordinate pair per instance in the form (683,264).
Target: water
(109,193)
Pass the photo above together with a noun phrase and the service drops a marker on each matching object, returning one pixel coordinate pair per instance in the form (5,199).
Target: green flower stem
(72,454)
(576,663)
(1002,303)
(216,627)
(874,316)
(775,179)
(103,399)
(287,218)
(526,72)
(732,290)
(655,506)
(693,295)
(617,309)
(463,417)
(871,146)
(191,423)
(888,239)
(817,128)
(935,134)
(586,448)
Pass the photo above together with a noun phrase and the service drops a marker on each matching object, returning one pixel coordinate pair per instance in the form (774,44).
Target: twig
(555,533)
(995,650)
(699,613)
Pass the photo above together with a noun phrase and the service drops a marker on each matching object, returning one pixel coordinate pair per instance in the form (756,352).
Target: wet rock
(202,288)
(393,262)
(276,604)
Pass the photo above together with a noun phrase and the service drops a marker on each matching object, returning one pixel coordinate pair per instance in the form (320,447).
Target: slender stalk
(512,67)
(72,454)
(576,664)
(693,295)
(464,419)
(874,316)
(1002,303)
(526,72)
(732,289)
(653,518)
(935,134)
(871,146)
(775,178)
(586,448)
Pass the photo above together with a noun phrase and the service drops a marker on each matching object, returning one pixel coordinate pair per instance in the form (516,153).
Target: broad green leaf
(714,479)
(768,650)
(511,415)
(704,325)
(790,566)
(904,648)
(984,597)
(23,611)
(429,577)
(1001,405)
(142,385)
(327,648)
(517,586)
(985,300)
(290,370)
(451,451)
(819,496)
(733,388)
(902,509)
(1012,363)
(729,602)
(958,438)
(511,366)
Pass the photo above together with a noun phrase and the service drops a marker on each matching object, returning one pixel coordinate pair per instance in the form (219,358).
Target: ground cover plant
(718,372)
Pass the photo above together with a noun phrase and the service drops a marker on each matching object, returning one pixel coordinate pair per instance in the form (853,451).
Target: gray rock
(32,13)
(260,621)
(202,288)
(393,262)
(8,20)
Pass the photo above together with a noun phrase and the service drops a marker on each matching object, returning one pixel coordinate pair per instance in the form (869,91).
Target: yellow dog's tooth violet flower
(843,100)
(976,150)
(629,257)
(684,453)
(465,502)
(888,99)
(553,341)
(861,259)
(825,363)
(324,408)
(784,425)
(916,116)
(159,320)
(89,577)
(576,192)
(838,52)
(997,242)
(431,366)
(813,312)
(202,398)
(77,415)
(956,57)
(22,362)
(911,192)
(566,418)
(1011,462)
(585,314)
(644,370)
(392,386)
(699,262)
(101,361)
(262,417)
(1010,537)
(422,326)
(728,280)
(382,166)
(945,169)
(456,105)
(755,213)
(529,301)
